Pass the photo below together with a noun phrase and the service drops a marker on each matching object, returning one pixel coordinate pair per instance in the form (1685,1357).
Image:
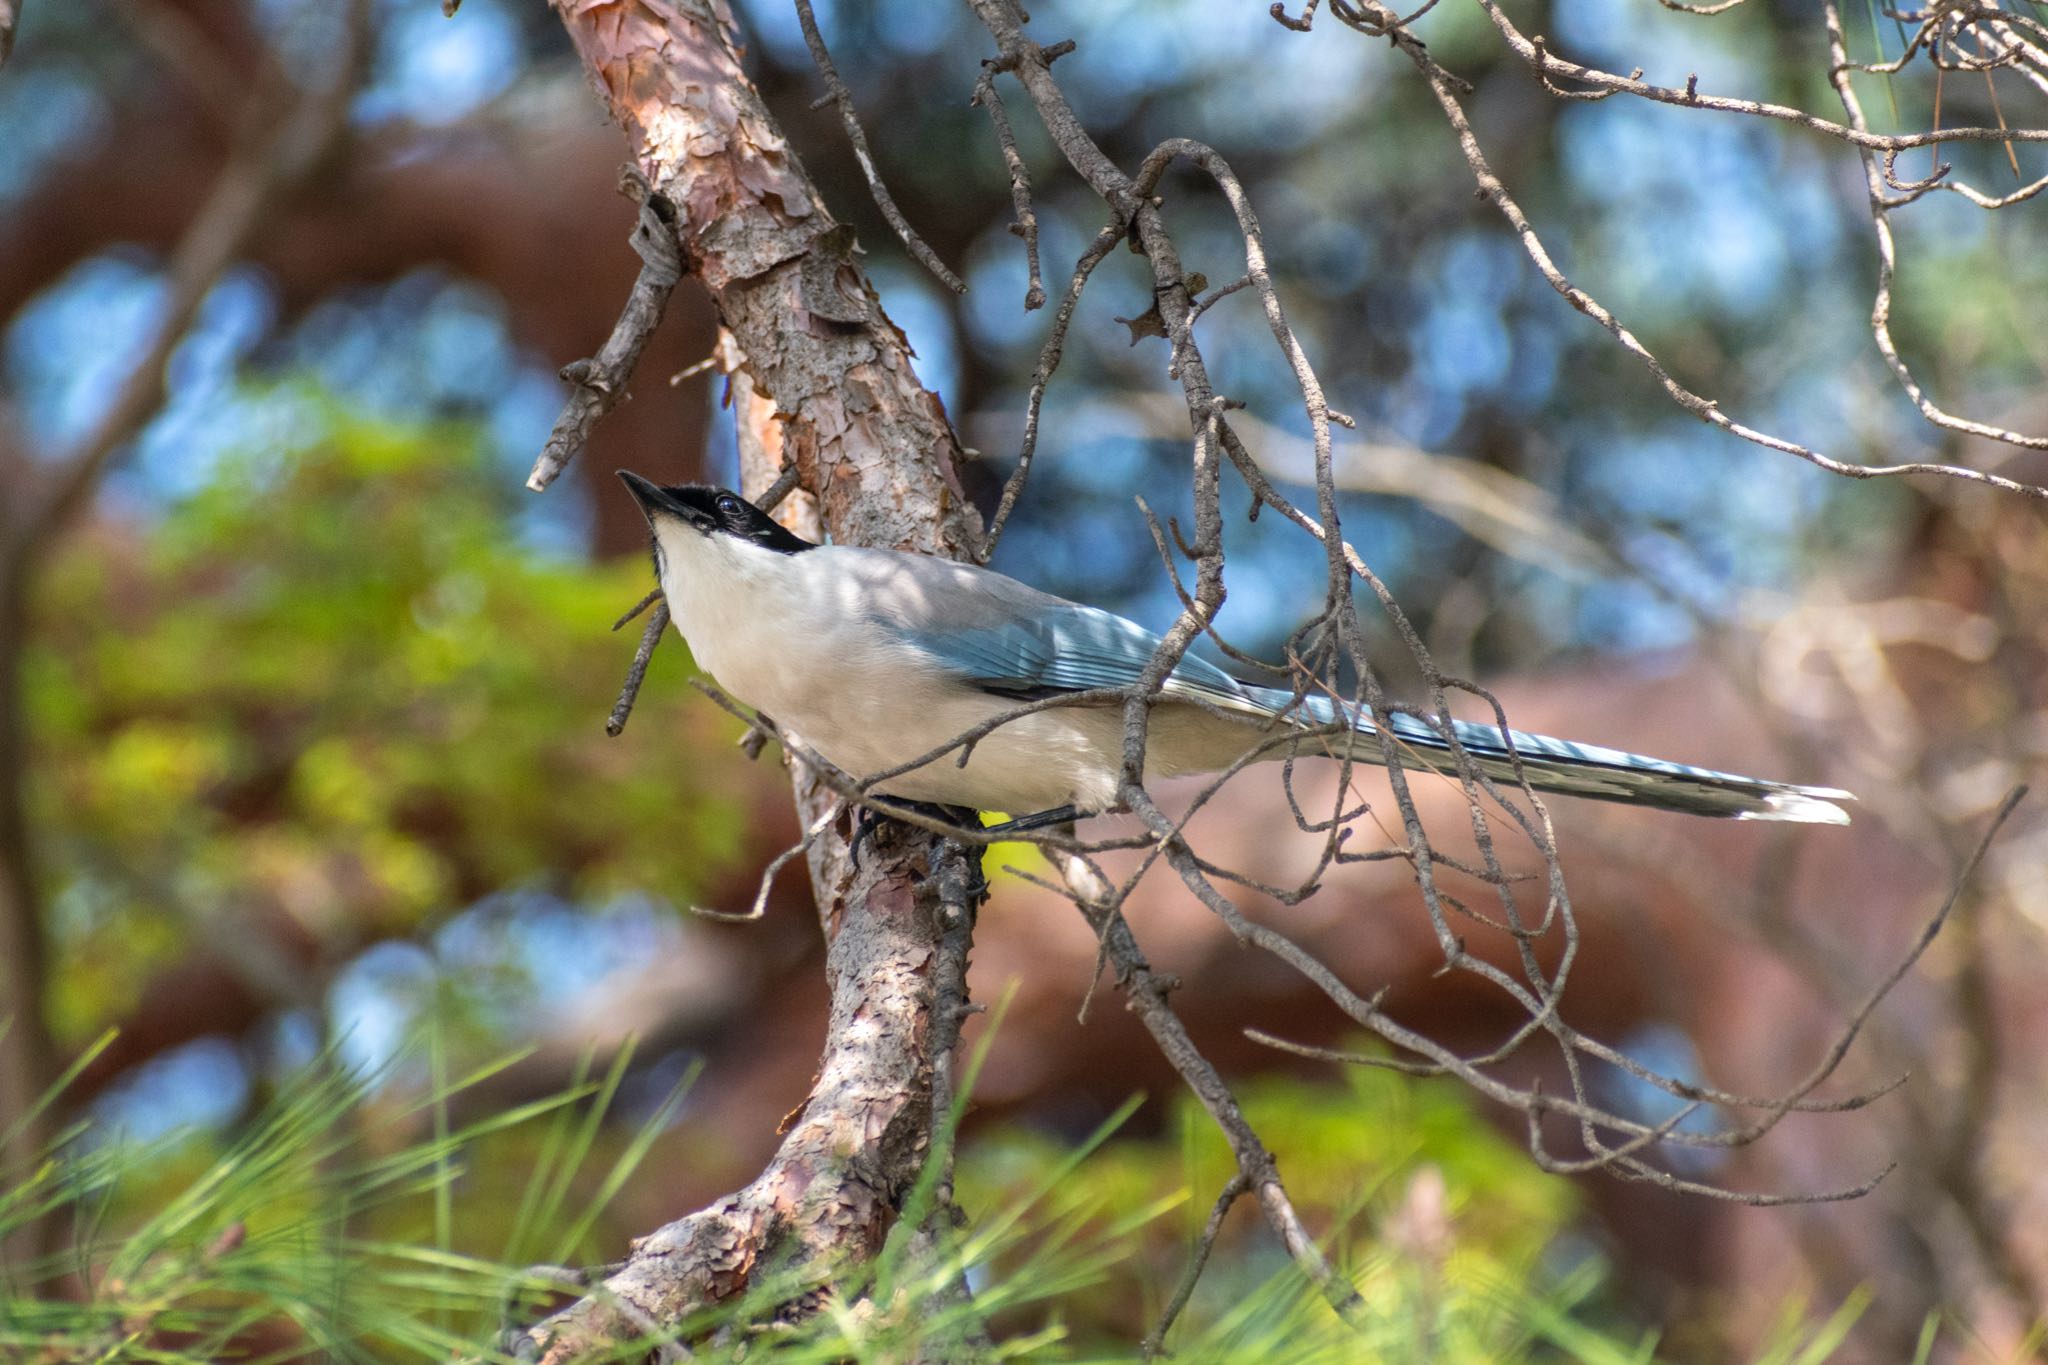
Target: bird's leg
(869,819)
(1044,819)
(864,826)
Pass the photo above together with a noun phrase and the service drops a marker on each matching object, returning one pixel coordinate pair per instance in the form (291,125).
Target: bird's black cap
(713,511)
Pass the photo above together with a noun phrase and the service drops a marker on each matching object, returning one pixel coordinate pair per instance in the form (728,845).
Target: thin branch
(1447,90)
(1233,1189)
(1875,175)
(826,818)
(850,120)
(1549,66)
(600,382)
(1147,993)
(615,724)
(1026,225)
(1048,361)
(653,596)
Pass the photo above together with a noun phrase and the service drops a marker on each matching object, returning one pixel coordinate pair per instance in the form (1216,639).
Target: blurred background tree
(299,736)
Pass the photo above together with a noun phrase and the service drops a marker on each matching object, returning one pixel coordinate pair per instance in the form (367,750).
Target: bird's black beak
(652,497)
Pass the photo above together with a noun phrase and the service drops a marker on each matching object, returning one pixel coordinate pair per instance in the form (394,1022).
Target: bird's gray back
(1007,637)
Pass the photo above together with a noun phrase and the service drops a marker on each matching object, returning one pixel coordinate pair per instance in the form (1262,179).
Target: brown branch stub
(10,19)
(1026,226)
(615,724)
(600,382)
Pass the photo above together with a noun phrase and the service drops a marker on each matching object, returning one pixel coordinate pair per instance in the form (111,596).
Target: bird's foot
(870,819)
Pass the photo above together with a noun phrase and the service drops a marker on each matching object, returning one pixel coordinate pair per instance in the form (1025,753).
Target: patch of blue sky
(1707,516)
(289,1043)
(916,28)
(1464,346)
(773,24)
(1620,616)
(913,303)
(493,964)
(997,276)
(1336,254)
(1132,49)
(427,345)
(422,346)
(375,1002)
(1093,549)
(1938,225)
(305,34)
(202,1085)
(424,343)
(559,525)
(70,347)
(530,948)
(1534,361)
(1415,409)
(205,417)
(1665,1050)
(721,439)
(1712,226)
(435,70)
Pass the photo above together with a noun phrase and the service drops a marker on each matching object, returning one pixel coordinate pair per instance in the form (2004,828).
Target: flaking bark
(823,380)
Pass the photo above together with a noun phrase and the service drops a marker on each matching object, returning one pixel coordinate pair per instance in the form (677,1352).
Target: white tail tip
(1803,805)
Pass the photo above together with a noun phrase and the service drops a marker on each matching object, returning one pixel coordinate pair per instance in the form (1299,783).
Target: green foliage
(1449,1231)
(308,1234)
(323,693)
(346,1225)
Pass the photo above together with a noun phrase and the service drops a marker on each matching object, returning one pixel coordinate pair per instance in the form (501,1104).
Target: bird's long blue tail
(1562,765)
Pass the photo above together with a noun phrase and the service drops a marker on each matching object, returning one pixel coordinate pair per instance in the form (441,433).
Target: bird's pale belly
(1034,763)
(1056,757)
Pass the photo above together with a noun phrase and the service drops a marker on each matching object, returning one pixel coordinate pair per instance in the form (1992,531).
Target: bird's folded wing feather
(1065,647)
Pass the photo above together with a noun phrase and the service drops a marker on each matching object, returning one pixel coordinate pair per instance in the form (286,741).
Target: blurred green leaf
(332,696)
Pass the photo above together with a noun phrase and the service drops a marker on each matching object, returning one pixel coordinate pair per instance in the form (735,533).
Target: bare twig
(1448,88)
(1233,1189)
(1875,174)
(850,120)
(1552,67)
(653,596)
(1147,993)
(1026,225)
(600,382)
(1048,361)
(826,818)
(637,673)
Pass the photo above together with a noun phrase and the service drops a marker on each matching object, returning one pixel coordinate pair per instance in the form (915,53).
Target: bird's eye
(728,505)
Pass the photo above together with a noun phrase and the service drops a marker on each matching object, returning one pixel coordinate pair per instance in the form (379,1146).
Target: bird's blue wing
(1071,648)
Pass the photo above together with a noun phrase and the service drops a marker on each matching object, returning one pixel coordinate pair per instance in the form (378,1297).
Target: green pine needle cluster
(341,1224)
